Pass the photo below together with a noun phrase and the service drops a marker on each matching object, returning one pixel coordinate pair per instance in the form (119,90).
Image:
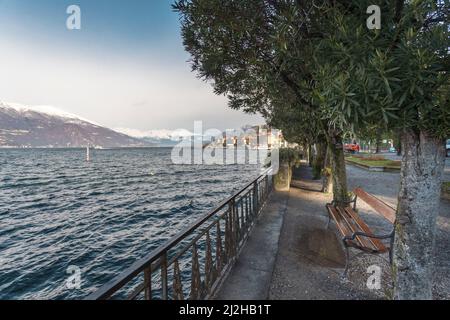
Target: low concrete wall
(282,180)
(372,168)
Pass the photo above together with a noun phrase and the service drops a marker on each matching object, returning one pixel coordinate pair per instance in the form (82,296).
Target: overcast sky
(125,68)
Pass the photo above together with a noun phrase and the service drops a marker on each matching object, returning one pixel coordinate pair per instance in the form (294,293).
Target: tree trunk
(398,143)
(418,208)
(327,182)
(310,155)
(305,152)
(338,170)
(378,142)
(319,160)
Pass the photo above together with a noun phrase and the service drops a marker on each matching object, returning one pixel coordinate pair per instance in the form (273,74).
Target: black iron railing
(193,264)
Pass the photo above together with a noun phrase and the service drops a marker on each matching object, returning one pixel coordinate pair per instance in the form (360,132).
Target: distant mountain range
(47,127)
(160,138)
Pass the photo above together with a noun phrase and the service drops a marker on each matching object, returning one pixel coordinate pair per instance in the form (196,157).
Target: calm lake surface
(57,210)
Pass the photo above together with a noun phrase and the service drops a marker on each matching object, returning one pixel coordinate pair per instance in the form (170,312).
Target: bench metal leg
(328,223)
(391,250)
(347,260)
(391,255)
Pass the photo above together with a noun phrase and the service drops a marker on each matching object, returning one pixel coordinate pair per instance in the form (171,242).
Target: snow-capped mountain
(44,126)
(160,138)
(157,134)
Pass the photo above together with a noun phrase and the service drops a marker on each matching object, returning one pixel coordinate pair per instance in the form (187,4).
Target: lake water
(57,210)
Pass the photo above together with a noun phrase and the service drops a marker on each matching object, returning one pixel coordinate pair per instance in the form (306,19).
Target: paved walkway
(302,178)
(251,275)
(311,259)
(291,255)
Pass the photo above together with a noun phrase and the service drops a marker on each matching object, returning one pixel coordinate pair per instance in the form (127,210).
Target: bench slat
(354,227)
(379,206)
(341,224)
(377,243)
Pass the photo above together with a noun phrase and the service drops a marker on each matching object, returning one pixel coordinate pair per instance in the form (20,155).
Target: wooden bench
(355,232)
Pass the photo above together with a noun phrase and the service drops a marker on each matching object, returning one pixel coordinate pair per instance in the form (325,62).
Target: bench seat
(348,223)
(355,232)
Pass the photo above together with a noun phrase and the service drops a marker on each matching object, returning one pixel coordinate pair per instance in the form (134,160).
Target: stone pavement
(251,275)
(291,255)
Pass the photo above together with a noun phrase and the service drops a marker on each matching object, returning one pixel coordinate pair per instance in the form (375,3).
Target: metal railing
(193,264)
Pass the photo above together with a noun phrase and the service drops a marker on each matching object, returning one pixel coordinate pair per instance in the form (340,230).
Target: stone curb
(372,168)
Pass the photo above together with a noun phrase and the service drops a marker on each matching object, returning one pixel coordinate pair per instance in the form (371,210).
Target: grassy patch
(375,161)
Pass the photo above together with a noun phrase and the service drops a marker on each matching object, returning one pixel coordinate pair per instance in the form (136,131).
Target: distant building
(254,137)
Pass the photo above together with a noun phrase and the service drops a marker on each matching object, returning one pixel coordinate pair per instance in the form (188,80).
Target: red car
(351,147)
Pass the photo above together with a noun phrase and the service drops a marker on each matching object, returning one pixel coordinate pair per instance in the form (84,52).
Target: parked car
(448,147)
(392,150)
(352,148)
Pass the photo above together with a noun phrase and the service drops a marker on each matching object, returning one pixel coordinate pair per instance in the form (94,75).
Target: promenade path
(251,275)
(291,255)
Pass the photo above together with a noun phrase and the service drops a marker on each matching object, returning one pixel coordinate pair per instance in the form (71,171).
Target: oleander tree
(258,54)
(398,73)
(305,129)
(317,57)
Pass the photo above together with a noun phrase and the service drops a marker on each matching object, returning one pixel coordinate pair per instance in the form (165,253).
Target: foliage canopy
(310,65)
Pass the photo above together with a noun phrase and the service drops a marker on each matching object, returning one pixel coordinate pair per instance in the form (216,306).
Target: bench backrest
(379,206)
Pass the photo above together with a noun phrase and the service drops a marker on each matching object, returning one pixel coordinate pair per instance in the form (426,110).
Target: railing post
(195,277)
(247,218)
(261,193)
(219,250)
(255,197)
(243,221)
(266,187)
(148,283)
(177,284)
(233,229)
(227,238)
(164,280)
(236,225)
(209,266)
(250,203)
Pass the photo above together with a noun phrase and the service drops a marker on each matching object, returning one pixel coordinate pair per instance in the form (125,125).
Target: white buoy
(88,155)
